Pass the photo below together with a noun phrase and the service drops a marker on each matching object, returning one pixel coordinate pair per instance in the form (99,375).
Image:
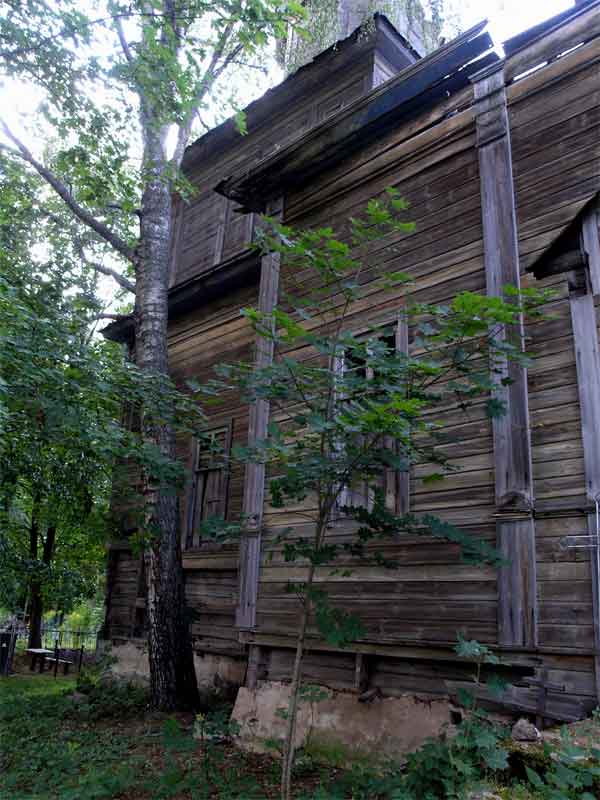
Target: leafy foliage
(355,408)
(573,771)
(118,80)
(63,446)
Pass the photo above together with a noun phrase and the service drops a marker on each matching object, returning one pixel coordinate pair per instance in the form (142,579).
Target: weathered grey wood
(402,478)
(361,672)
(254,479)
(587,355)
(517,604)
(590,234)
(517,584)
(225,213)
(254,656)
(595,564)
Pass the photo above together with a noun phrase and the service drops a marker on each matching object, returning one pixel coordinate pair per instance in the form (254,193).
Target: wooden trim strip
(403,478)
(587,354)
(590,235)
(517,583)
(254,479)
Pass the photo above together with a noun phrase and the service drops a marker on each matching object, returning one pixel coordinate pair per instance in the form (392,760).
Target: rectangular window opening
(394,483)
(208,496)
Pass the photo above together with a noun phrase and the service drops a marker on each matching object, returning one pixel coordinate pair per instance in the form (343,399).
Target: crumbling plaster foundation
(131,663)
(339,726)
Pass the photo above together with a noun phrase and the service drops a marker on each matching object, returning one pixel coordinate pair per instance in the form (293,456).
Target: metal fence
(78,645)
(68,639)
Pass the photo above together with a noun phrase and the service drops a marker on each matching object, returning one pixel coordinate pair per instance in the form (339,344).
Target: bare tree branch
(123,282)
(213,71)
(61,190)
(123,41)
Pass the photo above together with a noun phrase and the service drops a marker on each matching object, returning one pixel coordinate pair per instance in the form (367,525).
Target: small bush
(116,698)
(108,696)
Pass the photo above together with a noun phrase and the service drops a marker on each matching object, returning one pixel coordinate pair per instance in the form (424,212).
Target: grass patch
(55,748)
(109,746)
(50,750)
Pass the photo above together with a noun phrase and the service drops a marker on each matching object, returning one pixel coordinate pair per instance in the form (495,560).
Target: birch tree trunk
(173,679)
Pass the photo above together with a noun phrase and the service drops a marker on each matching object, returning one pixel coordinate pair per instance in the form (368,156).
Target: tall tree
(56,415)
(420,21)
(161,59)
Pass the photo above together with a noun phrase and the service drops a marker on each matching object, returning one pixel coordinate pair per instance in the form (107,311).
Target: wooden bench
(61,661)
(38,654)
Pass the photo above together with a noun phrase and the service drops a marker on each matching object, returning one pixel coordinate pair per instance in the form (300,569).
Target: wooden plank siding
(198,342)
(438,172)
(211,231)
(494,174)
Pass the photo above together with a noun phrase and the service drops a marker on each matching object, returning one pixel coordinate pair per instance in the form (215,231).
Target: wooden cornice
(413,90)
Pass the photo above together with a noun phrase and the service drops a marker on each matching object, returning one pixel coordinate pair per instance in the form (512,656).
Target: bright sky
(508,17)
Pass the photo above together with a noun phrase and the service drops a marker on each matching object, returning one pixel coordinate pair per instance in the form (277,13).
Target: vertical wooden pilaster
(587,354)
(403,478)
(590,235)
(254,658)
(254,479)
(517,609)
(224,214)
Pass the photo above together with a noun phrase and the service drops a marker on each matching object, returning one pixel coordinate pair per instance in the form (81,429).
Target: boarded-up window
(210,479)
(210,232)
(394,483)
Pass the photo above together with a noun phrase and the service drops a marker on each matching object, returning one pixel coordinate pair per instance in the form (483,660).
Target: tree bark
(172,675)
(37,605)
(35,586)
(290,744)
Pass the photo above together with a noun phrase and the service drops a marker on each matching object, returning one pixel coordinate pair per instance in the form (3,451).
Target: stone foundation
(211,670)
(339,728)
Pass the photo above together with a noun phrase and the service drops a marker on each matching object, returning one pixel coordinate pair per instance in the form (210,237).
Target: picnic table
(38,654)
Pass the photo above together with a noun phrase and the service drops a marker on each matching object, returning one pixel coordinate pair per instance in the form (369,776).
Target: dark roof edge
(122,330)
(185,297)
(279,96)
(370,111)
(564,235)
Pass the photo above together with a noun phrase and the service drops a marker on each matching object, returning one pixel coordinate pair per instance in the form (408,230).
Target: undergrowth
(105,744)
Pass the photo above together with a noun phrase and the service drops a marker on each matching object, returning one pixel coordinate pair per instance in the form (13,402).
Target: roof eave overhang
(193,294)
(417,88)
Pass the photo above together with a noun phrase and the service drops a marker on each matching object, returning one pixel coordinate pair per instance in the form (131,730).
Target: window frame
(395,483)
(199,474)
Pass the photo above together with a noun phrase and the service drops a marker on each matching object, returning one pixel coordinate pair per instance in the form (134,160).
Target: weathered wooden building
(500,160)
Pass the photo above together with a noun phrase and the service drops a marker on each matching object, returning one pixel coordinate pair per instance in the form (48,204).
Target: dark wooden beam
(242,270)
(254,480)
(517,604)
